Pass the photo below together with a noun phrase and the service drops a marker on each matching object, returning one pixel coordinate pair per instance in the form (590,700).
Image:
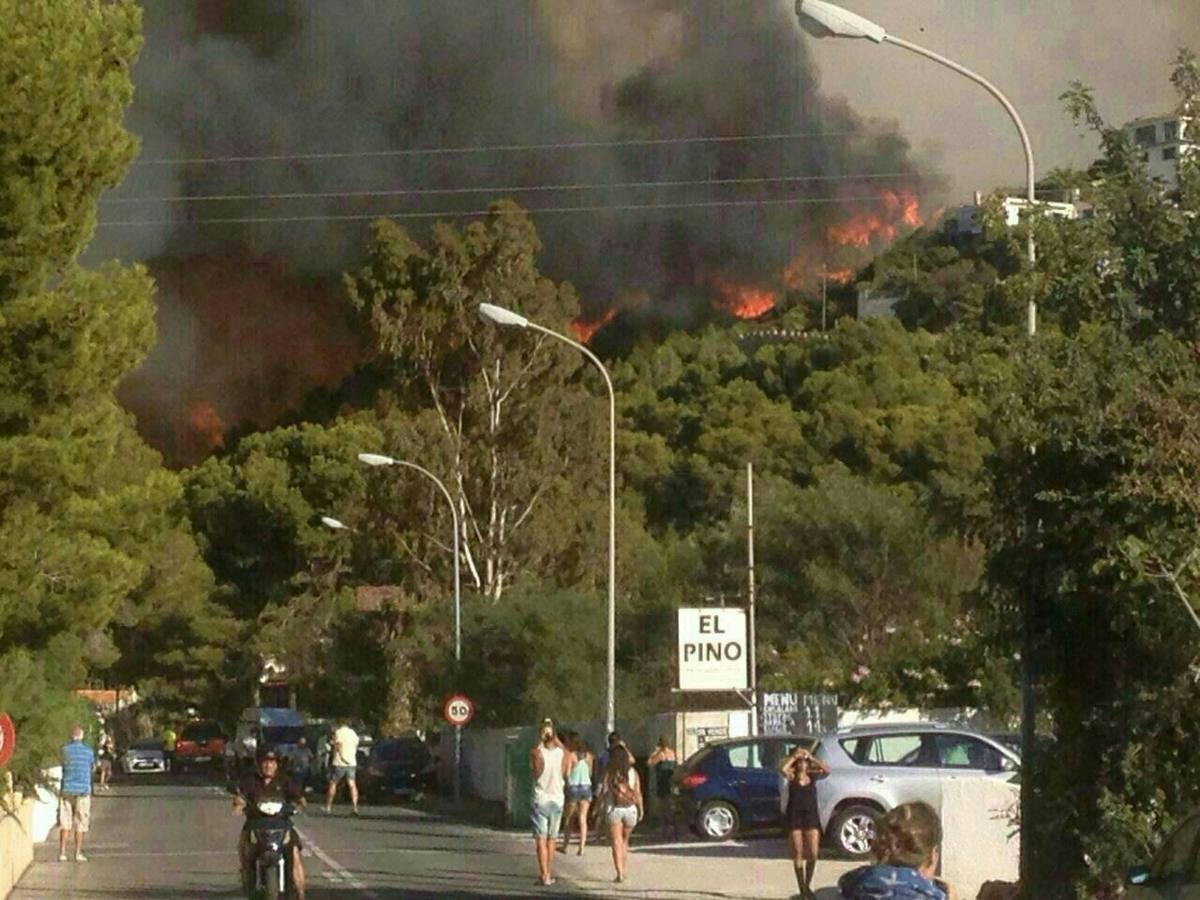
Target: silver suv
(876,768)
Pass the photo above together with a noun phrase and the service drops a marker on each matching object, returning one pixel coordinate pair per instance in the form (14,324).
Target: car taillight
(692,780)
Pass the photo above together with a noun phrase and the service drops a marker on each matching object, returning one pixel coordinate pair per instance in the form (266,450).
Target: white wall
(980,842)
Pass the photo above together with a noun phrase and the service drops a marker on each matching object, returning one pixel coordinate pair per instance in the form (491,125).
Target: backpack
(623,794)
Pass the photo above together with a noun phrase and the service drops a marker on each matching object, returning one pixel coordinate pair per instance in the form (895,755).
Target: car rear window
(149,744)
(200,733)
(409,753)
(283,734)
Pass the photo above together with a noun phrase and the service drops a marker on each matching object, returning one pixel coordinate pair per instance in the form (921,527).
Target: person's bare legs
(568,813)
(811,843)
(626,834)
(583,824)
(62,841)
(298,880)
(78,843)
(614,837)
(330,793)
(545,852)
(353,786)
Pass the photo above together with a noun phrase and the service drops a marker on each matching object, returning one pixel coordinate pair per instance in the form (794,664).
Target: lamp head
(839,22)
(335,524)
(489,312)
(375,459)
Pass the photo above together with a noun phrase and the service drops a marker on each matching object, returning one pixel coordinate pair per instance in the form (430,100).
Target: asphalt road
(159,839)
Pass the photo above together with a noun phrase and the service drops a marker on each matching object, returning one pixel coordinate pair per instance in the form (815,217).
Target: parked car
(396,767)
(199,744)
(733,785)
(875,768)
(144,757)
(267,726)
(1175,872)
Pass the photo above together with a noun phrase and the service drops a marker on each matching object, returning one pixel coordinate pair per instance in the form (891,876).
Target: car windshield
(200,733)
(282,734)
(148,744)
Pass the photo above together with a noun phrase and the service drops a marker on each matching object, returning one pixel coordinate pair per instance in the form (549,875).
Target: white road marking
(335,868)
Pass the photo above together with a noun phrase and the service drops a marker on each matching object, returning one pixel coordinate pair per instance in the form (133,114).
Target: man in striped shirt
(75,794)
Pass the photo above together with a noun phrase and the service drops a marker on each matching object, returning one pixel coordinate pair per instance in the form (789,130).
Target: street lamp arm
(992,89)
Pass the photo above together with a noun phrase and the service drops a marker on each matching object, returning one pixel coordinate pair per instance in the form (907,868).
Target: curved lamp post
(839,22)
(498,315)
(375,459)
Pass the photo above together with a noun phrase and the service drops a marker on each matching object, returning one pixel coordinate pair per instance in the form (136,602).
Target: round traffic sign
(459,710)
(8,739)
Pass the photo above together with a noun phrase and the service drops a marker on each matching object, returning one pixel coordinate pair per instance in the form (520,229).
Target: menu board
(797,713)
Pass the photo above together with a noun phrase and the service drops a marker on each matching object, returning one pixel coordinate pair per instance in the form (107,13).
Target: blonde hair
(908,835)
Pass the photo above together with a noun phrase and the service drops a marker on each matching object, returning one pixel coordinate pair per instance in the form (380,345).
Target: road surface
(168,840)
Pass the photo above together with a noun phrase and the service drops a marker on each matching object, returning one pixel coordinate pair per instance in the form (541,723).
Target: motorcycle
(270,832)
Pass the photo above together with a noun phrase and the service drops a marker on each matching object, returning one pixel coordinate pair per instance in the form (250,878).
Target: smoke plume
(646,105)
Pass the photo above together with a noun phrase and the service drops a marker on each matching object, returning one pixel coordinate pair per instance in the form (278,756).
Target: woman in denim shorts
(623,791)
(579,791)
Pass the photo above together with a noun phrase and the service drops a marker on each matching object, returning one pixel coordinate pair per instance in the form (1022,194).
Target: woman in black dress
(802,770)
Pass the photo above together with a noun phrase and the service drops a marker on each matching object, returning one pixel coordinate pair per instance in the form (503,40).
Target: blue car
(734,785)
(397,767)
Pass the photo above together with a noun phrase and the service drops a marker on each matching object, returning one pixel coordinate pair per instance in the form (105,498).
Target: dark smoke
(228,78)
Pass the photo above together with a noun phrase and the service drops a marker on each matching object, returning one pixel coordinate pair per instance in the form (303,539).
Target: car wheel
(717,821)
(852,831)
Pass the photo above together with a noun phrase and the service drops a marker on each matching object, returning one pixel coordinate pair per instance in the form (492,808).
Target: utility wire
(490,148)
(449,213)
(507,189)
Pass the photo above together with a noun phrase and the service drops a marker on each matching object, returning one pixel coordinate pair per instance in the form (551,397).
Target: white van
(266,726)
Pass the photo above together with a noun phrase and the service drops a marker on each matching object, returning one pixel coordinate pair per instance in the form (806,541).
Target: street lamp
(375,459)
(501,316)
(838,22)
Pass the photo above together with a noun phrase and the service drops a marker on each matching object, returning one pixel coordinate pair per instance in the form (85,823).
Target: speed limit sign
(459,710)
(8,739)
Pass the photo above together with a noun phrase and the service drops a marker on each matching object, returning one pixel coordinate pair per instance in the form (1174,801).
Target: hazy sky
(1032,49)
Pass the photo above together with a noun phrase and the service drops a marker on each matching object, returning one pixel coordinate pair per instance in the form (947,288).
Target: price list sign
(797,713)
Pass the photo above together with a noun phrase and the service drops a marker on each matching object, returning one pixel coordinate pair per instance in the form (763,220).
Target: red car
(199,744)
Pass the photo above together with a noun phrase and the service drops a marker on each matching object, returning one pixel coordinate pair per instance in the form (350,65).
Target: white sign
(712,650)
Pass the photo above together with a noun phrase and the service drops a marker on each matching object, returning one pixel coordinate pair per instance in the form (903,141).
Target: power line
(507,189)
(630,207)
(489,148)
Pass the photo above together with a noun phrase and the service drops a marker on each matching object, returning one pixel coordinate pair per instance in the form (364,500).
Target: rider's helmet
(265,753)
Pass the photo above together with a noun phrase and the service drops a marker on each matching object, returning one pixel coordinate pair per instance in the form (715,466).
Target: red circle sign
(459,710)
(8,739)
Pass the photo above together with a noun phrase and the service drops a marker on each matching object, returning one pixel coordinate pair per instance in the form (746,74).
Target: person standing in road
(343,765)
(662,763)
(549,765)
(75,794)
(802,770)
(107,754)
(168,744)
(623,790)
(598,770)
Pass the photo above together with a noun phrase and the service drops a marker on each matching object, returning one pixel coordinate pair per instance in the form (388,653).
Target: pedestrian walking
(907,846)
(107,754)
(548,763)
(622,790)
(343,765)
(168,746)
(598,770)
(802,770)
(662,763)
(579,791)
(75,794)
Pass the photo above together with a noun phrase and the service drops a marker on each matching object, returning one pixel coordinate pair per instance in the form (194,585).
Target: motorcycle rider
(267,784)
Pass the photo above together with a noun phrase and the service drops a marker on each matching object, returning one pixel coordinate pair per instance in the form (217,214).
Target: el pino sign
(712,650)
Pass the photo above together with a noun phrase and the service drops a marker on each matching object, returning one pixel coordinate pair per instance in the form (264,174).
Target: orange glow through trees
(743,301)
(585,329)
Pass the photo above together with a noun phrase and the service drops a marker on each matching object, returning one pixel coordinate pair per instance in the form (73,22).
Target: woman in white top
(623,791)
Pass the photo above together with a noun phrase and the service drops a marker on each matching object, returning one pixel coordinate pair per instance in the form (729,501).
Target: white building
(1163,141)
(966,220)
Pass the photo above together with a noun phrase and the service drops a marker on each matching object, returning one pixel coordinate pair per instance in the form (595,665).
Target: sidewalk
(754,869)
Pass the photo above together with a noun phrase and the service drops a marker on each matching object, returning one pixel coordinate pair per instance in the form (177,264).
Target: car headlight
(270,807)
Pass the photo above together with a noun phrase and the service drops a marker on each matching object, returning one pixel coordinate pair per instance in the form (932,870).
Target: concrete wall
(980,842)
(16,844)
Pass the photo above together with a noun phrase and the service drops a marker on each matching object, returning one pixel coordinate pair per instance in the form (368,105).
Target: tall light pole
(501,316)
(375,459)
(843,23)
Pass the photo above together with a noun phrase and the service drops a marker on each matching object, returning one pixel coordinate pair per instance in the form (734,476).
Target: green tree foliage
(99,574)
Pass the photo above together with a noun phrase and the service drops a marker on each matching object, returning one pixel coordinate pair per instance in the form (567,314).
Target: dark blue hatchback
(397,767)
(733,785)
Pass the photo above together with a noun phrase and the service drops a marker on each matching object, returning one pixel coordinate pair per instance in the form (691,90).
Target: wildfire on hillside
(896,209)
(205,430)
(742,300)
(840,276)
(585,329)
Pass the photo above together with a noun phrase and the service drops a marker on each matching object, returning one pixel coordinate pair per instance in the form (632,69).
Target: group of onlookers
(574,789)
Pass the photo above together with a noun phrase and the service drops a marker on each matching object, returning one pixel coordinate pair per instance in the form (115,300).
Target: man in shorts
(75,794)
(343,764)
(549,764)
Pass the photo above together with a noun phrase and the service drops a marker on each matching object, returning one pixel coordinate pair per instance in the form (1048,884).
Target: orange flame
(899,209)
(207,431)
(741,300)
(585,329)
(840,276)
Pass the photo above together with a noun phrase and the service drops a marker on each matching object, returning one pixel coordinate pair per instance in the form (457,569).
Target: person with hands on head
(907,849)
(268,784)
(802,770)
(549,763)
